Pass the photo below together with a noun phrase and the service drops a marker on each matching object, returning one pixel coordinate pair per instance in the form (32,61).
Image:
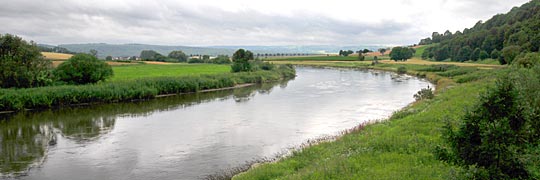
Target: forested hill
(502,37)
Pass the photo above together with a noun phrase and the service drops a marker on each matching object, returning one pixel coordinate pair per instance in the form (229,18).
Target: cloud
(239,22)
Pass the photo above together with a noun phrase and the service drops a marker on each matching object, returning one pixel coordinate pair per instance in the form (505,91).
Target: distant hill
(501,37)
(117,50)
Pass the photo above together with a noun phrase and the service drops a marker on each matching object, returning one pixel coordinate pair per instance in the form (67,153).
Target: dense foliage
(512,33)
(151,55)
(401,53)
(21,64)
(83,69)
(345,52)
(241,60)
(178,55)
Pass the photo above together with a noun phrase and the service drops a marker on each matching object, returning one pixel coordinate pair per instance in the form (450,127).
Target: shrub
(424,93)
(402,70)
(527,60)
(83,69)
(21,64)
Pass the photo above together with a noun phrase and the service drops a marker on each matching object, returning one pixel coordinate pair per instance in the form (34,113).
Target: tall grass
(47,97)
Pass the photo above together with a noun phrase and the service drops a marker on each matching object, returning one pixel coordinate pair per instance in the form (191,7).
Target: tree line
(503,37)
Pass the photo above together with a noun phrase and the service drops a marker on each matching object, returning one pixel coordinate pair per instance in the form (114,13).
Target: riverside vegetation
(30,82)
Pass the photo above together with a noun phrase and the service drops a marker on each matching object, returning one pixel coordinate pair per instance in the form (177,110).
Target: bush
(527,60)
(424,93)
(21,64)
(500,135)
(83,69)
(402,70)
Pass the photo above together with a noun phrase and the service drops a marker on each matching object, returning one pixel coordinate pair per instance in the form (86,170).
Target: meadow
(132,72)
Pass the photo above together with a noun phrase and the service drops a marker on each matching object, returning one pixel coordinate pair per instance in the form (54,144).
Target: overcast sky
(242,22)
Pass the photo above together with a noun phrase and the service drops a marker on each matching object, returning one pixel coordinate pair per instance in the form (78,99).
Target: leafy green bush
(499,137)
(83,69)
(424,93)
(21,64)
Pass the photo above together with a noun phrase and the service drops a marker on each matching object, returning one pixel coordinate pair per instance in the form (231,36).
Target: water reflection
(26,136)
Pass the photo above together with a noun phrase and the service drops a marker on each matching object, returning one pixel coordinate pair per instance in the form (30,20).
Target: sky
(242,22)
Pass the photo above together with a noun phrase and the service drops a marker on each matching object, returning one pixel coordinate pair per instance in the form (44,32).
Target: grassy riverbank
(401,147)
(138,86)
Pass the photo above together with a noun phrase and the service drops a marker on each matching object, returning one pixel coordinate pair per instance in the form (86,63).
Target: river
(194,135)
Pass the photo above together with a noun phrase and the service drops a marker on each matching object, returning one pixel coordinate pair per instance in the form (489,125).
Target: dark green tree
(483,55)
(21,64)
(509,53)
(382,51)
(83,69)
(401,53)
(149,55)
(108,58)
(241,60)
(178,55)
(464,54)
(495,54)
(475,55)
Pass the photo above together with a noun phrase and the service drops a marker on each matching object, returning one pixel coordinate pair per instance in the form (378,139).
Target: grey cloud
(58,22)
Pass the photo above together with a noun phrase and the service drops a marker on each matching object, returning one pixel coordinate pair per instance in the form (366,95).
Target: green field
(326,58)
(131,72)
(401,147)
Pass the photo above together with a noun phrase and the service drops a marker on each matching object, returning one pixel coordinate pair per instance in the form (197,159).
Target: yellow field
(56,56)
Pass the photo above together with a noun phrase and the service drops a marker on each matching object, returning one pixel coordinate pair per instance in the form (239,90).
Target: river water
(194,135)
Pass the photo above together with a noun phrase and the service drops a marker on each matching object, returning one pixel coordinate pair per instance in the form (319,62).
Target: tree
(382,51)
(483,55)
(108,58)
(94,52)
(509,54)
(464,54)
(401,53)
(21,64)
(178,55)
(149,55)
(241,60)
(206,57)
(493,134)
(366,51)
(361,56)
(83,69)
(475,55)
(495,54)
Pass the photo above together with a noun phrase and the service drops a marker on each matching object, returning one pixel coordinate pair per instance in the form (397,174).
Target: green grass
(399,148)
(131,72)
(145,87)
